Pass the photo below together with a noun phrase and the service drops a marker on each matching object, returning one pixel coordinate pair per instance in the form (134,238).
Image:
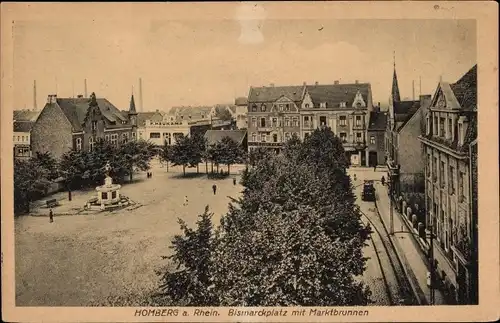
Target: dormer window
(254,108)
(287,107)
(307,105)
(322,105)
(342,104)
(263,108)
(94,125)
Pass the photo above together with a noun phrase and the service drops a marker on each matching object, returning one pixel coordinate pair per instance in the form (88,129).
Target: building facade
(240,112)
(375,142)
(451,127)
(78,123)
(276,113)
(23,122)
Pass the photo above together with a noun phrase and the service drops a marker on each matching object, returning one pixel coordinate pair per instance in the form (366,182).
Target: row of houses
(275,113)
(77,123)
(431,148)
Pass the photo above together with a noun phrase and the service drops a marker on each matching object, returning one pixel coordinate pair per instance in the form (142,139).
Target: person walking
(374,168)
(354,177)
(51,216)
(234,180)
(214,188)
(186,201)
(383,180)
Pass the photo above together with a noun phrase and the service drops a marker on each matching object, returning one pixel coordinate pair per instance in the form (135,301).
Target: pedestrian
(374,168)
(234,180)
(214,188)
(186,201)
(51,216)
(383,180)
(354,177)
(151,175)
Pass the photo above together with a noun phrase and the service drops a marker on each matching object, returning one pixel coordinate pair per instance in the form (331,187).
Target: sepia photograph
(235,165)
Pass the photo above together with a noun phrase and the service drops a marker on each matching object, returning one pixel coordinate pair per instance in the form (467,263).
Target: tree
(191,281)
(229,152)
(180,153)
(197,151)
(223,113)
(136,154)
(48,162)
(71,168)
(256,155)
(29,181)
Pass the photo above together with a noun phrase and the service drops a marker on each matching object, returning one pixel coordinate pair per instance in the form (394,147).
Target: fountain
(108,195)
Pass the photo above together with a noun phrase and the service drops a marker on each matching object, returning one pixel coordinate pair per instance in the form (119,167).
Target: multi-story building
(406,121)
(23,122)
(275,113)
(375,143)
(188,113)
(451,127)
(77,123)
(239,112)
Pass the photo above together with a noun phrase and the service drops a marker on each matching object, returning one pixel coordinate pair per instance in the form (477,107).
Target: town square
(316,166)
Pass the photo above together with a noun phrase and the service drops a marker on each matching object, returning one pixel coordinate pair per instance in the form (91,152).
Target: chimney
(271,85)
(140,95)
(85,88)
(356,82)
(315,83)
(34,95)
(336,82)
(413,90)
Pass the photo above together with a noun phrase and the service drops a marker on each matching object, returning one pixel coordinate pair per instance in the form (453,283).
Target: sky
(204,62)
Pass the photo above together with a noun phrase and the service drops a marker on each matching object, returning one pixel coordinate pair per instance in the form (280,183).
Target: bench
(51,203)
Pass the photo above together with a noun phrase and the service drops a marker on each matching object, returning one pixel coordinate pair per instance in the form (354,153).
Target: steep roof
(241,101)
(378,121)
(143,116)
(214,136)
(26,115)
(197,112)
(23,126)
(465,90)
(333,94)
(273,93)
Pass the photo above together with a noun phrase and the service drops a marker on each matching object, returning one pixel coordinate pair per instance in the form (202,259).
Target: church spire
(395,87)
(132,106)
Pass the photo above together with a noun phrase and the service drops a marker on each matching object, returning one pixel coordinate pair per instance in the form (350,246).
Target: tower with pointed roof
(132,112)
(395,88)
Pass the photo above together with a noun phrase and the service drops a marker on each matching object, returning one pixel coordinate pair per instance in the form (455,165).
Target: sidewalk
(412,257)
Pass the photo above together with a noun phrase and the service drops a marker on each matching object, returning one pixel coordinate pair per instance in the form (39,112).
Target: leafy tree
(191,281)
(48,162)
(197,151)
(71,167)
(258,154)
(29,182)
(229,152)
(180,153)
(136,154)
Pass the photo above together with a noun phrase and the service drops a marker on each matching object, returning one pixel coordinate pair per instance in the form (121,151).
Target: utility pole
(431,256)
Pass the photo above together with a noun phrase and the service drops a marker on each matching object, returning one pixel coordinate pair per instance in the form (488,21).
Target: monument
(108,195)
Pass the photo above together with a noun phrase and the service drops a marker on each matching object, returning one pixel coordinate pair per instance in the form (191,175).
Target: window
(307,105)
(441,174)
(94,125)
(434,169)
(78,144)
(254,122)
(281,107)
(104,195)
(428,165)
(441,127)
(460,127)
(263,108)
(358,121)
(295,122)
(322,121)
(359,137)
(262,122)
(154,135)
(254,108)
(287,122)
(322,105)
(287,136)
(168,138)
(124,137)
(372,140)
(106,137)
(133,135)
(287,107)
(91,143)
(343,137)
(275,122)
(275,138)
(113,194)
(263,137)
(18,138)
(342,120)
(450,129)
(461,196)
(254,137)
(342,104)
(428,128)
(306,121)
(451,180)
(114,139)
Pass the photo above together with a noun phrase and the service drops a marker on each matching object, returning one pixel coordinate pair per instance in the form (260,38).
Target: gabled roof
(197,112)
(406,111)
(143,116)
(26,115)
(465,90)
(333,94)
(273,93)
(378,121)
(241,101)
(23,126)
(214,136)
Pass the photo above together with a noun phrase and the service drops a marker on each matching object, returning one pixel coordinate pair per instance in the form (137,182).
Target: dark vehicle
(368,193)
